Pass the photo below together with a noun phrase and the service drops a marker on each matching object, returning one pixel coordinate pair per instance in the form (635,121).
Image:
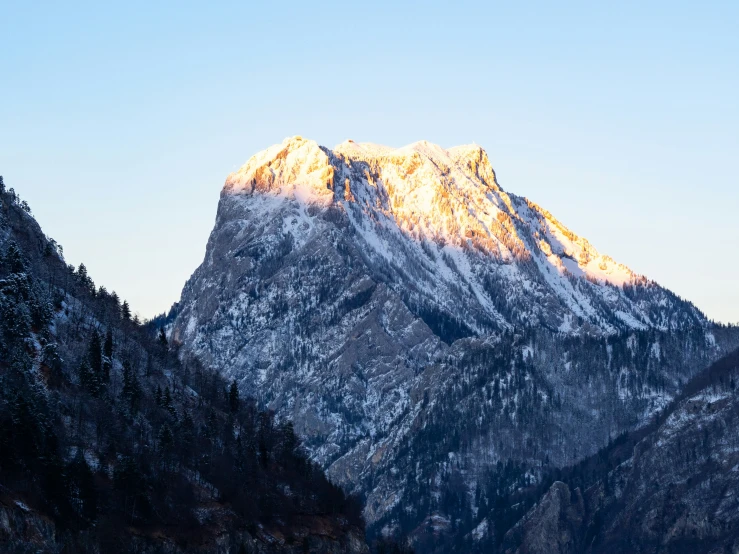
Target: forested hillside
(109,443)
(668,487)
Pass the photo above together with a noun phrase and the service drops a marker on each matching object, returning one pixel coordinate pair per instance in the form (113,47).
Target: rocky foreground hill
(440,343)
(671,487)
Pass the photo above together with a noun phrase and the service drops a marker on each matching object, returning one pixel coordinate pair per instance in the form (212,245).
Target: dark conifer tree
(83,487)
(107,356)
(167,402)
(166,438)
(186,436)
(27,431)
(108,346)
(116,303)
(126,310)
(162,337)
(166,446)
(233,397)
(14,259)
(131,391)
(88,379)
(288,440)
(95,357)
(48,249)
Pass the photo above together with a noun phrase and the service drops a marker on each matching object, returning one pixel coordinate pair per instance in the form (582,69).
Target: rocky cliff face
(424,328)
(554,525)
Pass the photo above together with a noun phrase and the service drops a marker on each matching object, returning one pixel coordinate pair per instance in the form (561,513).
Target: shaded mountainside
(110,443)
(438,342)
(671,487)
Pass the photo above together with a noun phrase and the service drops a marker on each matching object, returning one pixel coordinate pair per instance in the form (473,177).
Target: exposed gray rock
(554,525)
(24,530)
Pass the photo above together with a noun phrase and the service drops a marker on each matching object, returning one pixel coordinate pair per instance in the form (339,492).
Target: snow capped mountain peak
(449,234)
(425,188)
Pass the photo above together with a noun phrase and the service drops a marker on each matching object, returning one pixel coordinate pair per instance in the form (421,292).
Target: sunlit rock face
(373,294)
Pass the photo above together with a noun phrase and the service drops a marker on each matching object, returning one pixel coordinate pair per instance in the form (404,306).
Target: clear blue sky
(120,123)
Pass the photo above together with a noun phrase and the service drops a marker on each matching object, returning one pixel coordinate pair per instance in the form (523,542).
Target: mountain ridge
(449,203)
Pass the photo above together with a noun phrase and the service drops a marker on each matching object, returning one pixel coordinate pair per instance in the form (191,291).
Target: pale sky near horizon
(120,124)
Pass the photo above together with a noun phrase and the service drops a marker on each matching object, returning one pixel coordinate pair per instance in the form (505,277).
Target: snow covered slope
(415,320)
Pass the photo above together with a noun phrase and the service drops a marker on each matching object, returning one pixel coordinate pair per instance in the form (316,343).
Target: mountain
(108,443)
(439,343)
(675,491)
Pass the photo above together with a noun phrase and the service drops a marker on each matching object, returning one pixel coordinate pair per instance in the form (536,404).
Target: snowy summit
(442,215)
